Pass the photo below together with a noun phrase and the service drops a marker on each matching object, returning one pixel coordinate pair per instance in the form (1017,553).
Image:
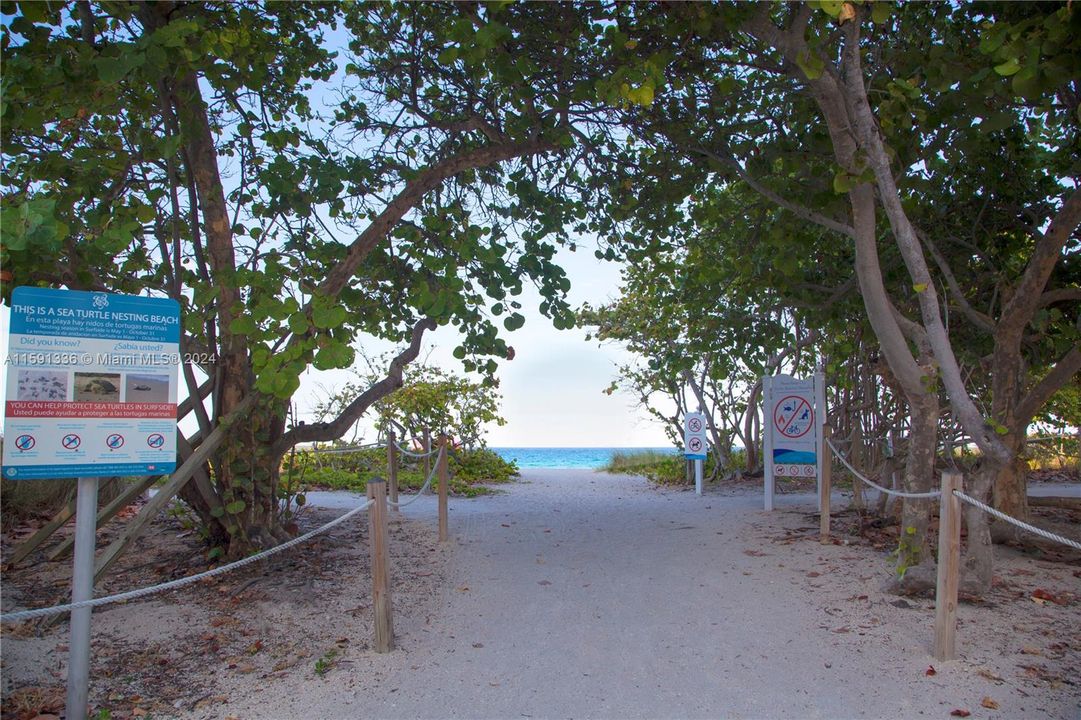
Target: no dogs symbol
(695,445)
(793,416)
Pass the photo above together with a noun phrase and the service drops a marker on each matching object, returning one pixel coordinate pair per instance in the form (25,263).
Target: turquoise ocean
(577,457)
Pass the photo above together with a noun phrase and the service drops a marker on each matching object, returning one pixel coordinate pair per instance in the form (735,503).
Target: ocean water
(577,457)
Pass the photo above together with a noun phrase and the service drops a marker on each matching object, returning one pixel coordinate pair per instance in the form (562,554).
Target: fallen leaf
(463,588)
(840,630)
(983,672)
(813,574)
(478,645)
(930,670)
(959,712)
(754,553)
(1030,650)
(138,712)
(989,703)
(543,582)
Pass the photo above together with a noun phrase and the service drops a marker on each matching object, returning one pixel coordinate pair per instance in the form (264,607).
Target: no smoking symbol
(71,441)
(156,440)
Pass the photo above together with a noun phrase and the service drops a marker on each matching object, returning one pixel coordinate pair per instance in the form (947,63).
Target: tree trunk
(915,565)
(978,563)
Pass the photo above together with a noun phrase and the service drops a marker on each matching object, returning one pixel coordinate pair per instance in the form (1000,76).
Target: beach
(573,593)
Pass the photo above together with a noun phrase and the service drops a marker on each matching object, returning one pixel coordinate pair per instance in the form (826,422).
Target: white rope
(174,584)
(1014,521)
(403,451)
(898,493)
(427,484)
(337,451)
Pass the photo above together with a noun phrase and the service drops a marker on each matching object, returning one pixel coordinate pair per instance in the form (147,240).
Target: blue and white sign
(92,383)
(793,414)
(694,436)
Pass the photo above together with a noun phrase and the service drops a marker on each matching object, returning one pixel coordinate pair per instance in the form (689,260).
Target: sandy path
(588,595)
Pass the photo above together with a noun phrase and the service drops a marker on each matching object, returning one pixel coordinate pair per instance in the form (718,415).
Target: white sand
(577,594)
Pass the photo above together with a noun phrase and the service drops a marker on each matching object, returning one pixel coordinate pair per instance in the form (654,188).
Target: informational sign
(91,385)
(794,411)
(694,436)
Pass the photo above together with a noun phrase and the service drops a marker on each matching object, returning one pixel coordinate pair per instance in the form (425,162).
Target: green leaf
(328,317)
(880,12)
(919,287)
(831,7)
(1008,68)
(514,321)
(810,63)
(298,323)
(843,183)
(243,325)
(448,56)
(236,507)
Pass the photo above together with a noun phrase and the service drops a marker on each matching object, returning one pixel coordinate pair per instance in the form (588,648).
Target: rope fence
(181,582)
(342,451)
(865,479)
(423,488)
(1017,523)
(408,453)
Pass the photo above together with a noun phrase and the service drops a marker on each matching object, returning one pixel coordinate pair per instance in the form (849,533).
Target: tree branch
(1064,370)
(334,429)
(798,210)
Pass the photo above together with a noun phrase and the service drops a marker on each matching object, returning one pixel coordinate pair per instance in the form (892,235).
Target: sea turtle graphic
(100,387)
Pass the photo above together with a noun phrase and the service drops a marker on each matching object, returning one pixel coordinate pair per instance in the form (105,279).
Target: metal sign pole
(82,588)
(767,440)
(698,476)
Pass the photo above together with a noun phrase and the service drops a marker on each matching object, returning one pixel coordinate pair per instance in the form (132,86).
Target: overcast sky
(553,390)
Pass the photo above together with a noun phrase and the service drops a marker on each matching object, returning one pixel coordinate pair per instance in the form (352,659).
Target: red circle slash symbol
(793,416)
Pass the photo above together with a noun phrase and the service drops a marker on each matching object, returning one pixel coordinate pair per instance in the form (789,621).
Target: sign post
(794,411)
(91,393)
(694,445)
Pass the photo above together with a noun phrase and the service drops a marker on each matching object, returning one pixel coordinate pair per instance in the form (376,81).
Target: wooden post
(825,486)
(444,532)
(949,565)
(392,469)
(377,545)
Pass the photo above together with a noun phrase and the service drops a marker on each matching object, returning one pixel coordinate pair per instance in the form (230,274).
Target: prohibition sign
(694,444)
(25,442)
(156,440)
(71,441)
(695,425)
(793,417)
(115,441)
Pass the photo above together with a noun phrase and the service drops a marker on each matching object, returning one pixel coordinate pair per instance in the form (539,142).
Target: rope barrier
(338,451)
(1014,521)
(857,473)
(427,484)
(174,584)
(403,451)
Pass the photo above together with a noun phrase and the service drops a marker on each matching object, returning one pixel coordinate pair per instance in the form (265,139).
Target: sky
(553,390)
